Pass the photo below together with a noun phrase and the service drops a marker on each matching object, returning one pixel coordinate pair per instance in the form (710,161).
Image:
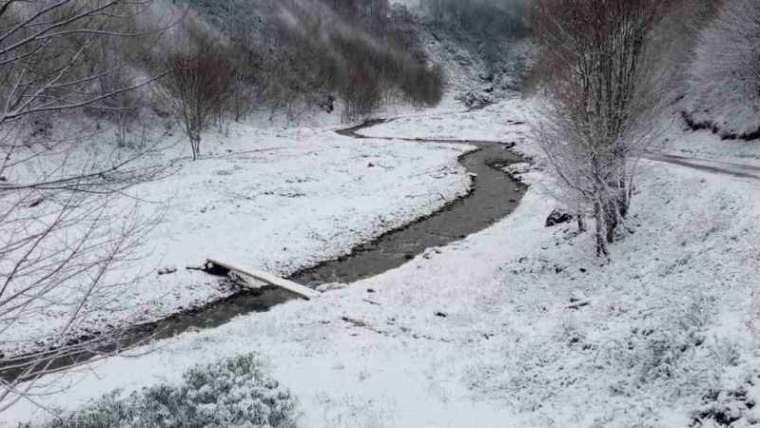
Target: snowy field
(274,200)
(508,124)
(518,325)
(706,145)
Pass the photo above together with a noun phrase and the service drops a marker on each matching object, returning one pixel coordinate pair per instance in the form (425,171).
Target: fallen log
(272,280)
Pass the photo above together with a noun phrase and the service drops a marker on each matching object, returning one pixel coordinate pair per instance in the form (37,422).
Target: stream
(493,196)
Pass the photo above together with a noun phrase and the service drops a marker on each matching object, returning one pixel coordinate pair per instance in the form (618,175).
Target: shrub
(230,393)
(198,82)
(423,86)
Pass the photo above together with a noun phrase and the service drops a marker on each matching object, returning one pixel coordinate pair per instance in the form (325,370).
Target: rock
(36,202)
(327,104)
(578,305)
(167,270)
(486,77)
(331,286)
(558,216)
(517,169)
(474,100)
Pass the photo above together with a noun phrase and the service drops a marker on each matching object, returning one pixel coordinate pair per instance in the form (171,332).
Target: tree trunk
(601,229)
(581,223)
(611,220)
(624,199)
(195,144)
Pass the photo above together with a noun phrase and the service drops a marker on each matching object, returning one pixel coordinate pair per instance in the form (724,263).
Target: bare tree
(198,82)
(602,93)
(60,232)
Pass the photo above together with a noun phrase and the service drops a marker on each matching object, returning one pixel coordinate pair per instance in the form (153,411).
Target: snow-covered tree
(602,91)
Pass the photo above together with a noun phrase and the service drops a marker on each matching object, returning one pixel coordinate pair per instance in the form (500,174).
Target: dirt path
(711,166)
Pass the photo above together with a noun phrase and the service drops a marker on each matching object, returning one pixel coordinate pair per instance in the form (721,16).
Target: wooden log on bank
(267,278)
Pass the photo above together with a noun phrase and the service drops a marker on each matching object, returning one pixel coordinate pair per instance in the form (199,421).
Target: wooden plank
(298,289)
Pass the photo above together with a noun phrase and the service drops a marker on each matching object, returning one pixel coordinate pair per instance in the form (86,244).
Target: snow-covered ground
(505,121)
(706,145)
(518,325)
(274,199)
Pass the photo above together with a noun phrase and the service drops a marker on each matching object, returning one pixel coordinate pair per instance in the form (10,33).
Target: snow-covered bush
(663,347)
(727,407)
(230,393)
(725,75)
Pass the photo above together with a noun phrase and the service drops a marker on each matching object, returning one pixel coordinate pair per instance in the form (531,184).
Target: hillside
(507,214)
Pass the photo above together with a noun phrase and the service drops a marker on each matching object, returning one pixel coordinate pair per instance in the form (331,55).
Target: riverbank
(276,200)
(517,325)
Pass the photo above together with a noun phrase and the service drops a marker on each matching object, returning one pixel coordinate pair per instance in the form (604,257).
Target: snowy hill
(106,220)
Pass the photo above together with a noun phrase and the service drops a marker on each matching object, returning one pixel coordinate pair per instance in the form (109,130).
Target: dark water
(494,195)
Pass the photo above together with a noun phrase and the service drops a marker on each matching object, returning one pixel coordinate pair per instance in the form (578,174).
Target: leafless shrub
(603,91)
(198,82)
(423,85)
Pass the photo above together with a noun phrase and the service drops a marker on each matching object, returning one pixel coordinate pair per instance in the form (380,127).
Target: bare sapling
(200,79)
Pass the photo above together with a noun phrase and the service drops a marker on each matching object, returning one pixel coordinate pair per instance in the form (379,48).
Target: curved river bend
(493,196)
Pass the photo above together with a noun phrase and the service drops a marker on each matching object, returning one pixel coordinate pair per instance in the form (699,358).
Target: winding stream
(494,195)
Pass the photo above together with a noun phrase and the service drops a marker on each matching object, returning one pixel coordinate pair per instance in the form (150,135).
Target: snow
(491,331)
(276,200)
(703,144)
(508,123)
(410,4)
